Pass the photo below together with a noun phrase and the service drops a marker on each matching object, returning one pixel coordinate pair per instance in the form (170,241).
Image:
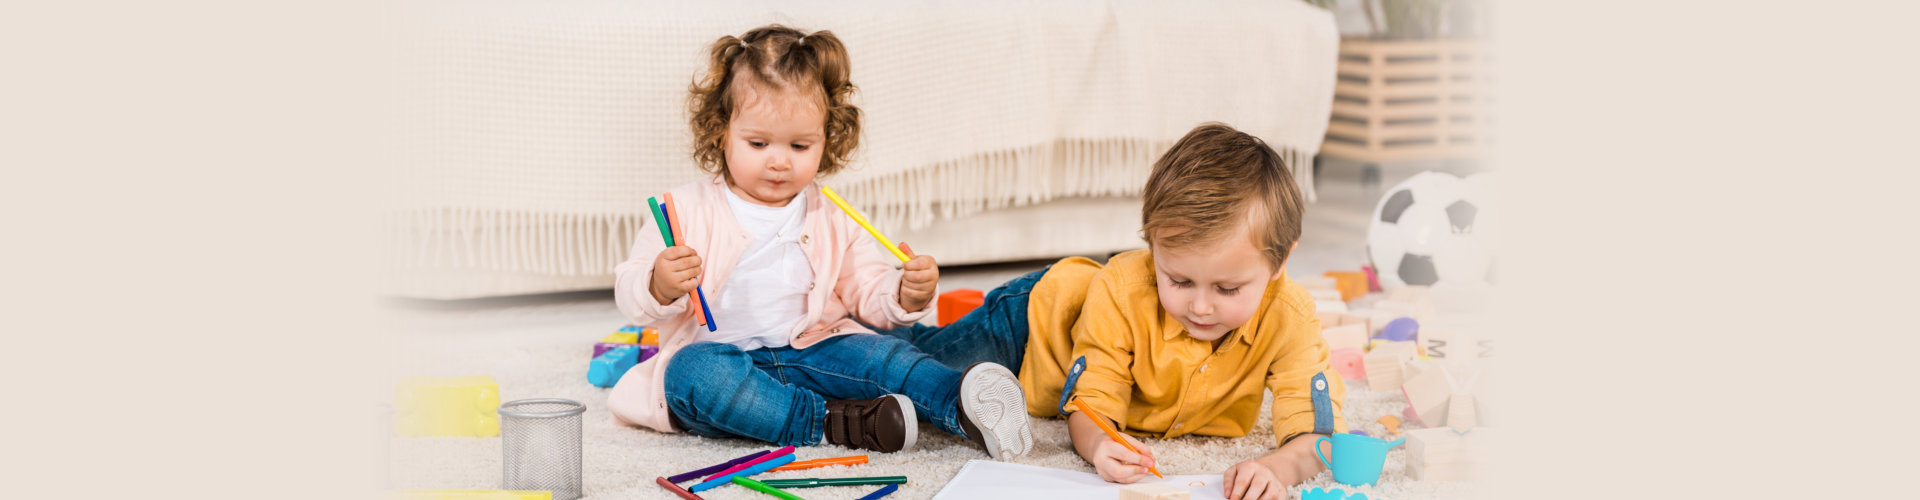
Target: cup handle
(1321,454)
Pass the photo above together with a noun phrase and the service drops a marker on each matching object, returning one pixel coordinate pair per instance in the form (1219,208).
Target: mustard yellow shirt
(1145,372)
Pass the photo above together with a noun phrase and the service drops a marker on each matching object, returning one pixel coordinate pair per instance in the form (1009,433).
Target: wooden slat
(1428,120)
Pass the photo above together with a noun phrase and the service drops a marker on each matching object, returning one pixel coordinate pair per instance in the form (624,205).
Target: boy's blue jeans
(994,332)
(779,394)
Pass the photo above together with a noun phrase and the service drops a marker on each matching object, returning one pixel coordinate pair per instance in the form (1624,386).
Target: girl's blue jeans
(994,332)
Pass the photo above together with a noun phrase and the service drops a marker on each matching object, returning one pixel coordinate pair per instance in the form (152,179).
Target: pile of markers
(736,471)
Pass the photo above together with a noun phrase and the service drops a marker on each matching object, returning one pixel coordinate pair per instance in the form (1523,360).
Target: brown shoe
(884,424)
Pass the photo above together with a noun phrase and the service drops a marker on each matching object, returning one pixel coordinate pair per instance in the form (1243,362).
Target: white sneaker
(993,411)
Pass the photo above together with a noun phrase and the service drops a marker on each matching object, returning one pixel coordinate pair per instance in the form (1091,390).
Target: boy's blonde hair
(768,58)
(1214,178)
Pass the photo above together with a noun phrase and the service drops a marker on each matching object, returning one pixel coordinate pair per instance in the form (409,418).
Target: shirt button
(809,287)
(1176,425)
(803,239)
(1203,368)
(836,330)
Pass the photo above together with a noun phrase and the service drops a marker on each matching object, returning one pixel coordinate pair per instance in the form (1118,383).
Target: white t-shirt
(766,296)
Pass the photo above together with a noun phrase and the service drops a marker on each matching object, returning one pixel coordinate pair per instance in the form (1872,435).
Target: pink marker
(783,451)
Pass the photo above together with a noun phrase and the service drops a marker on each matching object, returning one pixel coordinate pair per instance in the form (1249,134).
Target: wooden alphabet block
(1330,305)
(1461,416)
(1330,318)
(1352,284)
(1312,283)
(1440,454)
(1383,365)
(1153,491)
(1333,295)
(1345,336)
(1427,390)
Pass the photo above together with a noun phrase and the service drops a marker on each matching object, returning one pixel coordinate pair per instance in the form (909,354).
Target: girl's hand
(921,280)
(1251,480)
(675,273)
(1116,463)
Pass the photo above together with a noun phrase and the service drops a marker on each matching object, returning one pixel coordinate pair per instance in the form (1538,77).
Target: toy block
(646,350)
(1329,318)
(1153,491)
(1346,336)
(1351,363)
(446,407)
(607,369)
(1461,413)
(1330,305)
(470,495)
(1318,283)
(1410,294)
(1353,317)
(622,338)
(1383,365)
(1332,295)
(957,303)
(1440,454)
(1392,423)
(1352,283)
(1427,389)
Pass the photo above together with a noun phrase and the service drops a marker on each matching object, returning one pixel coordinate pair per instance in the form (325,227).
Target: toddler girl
(790,280)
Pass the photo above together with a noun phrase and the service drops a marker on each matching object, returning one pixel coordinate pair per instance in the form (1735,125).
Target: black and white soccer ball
(1432,230)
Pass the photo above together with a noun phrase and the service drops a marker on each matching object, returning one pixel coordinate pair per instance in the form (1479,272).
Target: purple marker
(717,468)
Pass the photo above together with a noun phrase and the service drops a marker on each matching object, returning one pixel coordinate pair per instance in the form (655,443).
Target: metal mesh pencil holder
(540,446)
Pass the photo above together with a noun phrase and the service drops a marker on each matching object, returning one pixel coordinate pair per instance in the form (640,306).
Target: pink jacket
(855,277)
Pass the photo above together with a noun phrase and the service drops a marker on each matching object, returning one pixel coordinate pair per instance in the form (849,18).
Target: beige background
(1708,285)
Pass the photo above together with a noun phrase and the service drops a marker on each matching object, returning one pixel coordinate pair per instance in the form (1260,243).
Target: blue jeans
(994,332)
(779,394)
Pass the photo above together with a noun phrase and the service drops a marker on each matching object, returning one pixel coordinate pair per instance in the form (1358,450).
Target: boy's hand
(675,274)
(1116,463)
(1251,480)
(919,282)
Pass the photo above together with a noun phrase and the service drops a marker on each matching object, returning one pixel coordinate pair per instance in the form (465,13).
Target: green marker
(666,235)
(744,481)
(836,481)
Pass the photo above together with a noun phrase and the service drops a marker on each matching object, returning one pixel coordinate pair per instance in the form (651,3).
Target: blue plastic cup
(1357,459)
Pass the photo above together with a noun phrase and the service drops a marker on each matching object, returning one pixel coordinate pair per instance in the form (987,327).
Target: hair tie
(803,39)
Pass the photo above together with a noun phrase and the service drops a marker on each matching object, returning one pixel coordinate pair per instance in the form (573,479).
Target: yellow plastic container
(470,495)
(446,407)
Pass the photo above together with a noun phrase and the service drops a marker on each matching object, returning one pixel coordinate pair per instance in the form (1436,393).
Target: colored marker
(844,207)
(823,462)
(1102,421)
(835,481)
(763,488)
(676,489)
(750,463)
(717,468)
(701,315)
(883,491)
(660,220)
(783,460)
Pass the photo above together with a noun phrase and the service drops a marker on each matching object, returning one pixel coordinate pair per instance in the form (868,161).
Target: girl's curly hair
(774,57)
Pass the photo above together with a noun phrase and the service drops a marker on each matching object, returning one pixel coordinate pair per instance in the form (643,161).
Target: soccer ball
(1431,230)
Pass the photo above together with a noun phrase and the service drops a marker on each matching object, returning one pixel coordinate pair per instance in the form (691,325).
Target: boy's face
(1212,288)
(774,143)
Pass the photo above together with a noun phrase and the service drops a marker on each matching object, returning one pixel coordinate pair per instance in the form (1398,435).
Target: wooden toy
(1330,305)
(1440,454)
(1352,283)
(1451,342)
(1392,423)
(1461,415)
(1345,337)
(1428,390)
(1333,295)
(1318,283)
(446,407)
(1383,364)
(1329,318)
(471,495)
(1153,491)
(958,303)
(1350,362)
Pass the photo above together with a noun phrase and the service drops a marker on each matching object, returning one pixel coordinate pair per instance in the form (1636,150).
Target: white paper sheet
(989,479)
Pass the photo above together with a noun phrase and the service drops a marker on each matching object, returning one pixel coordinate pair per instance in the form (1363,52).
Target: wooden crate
(1408,100)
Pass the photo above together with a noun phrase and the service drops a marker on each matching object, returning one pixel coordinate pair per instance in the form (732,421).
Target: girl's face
(774,142)
(1212,288)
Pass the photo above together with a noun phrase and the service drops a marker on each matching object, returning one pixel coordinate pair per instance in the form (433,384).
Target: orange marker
(1115,434)
(673,221)
(822,462)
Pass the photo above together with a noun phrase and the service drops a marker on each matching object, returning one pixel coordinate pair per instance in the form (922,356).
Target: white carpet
(542,351)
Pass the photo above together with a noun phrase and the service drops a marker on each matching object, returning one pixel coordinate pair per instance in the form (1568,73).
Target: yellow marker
(863,222)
